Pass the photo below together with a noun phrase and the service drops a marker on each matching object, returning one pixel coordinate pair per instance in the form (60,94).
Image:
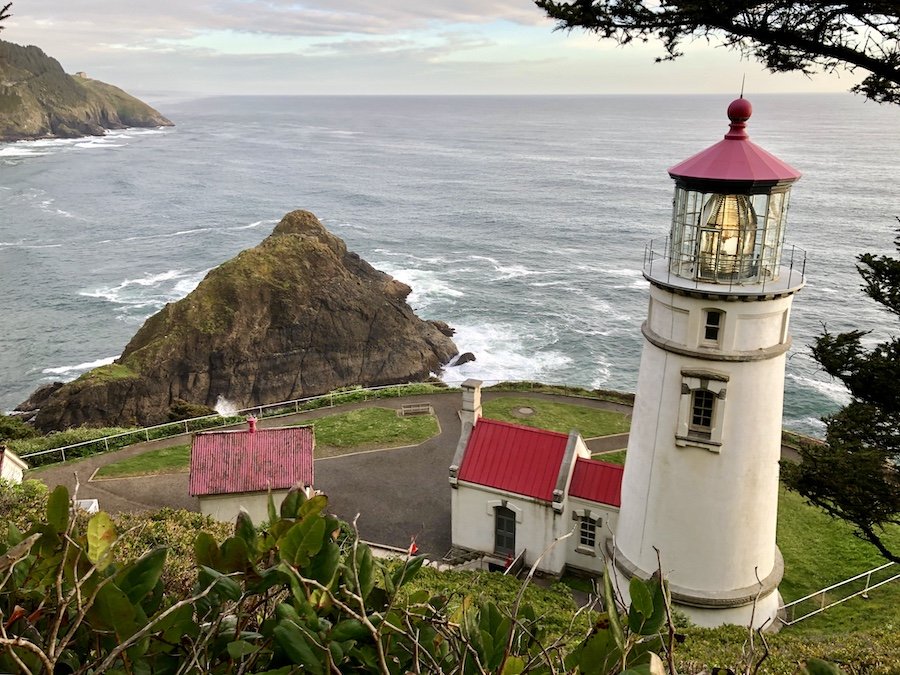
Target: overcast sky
(366,47)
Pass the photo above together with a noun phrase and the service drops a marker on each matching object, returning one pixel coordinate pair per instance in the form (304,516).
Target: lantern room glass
(725,237)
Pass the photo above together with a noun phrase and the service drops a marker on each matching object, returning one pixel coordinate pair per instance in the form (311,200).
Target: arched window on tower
(701,410)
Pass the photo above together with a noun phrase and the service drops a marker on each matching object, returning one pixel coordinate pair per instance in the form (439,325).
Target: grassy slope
(562,417)
(335,435)
(176,459)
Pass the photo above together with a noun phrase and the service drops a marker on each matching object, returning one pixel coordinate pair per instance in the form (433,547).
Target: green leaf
(513,666)
(292,502)
(234,555)
(408,571)
(350,629)
(206,551)
(240,648)
(114,610)
(101,533)
(270,506)
(324,566)
(365,570)
(225,586)
(640,596)
(292,640)
(609,598)
(140,577)
(312,506)
(58,509)
(302,541)
(820,667)
(243,529)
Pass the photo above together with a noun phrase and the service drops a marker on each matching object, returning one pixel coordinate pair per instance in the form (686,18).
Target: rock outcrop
(295,316)
(39,100)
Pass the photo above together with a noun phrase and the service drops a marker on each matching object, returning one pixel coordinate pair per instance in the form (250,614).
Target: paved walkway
(398,493)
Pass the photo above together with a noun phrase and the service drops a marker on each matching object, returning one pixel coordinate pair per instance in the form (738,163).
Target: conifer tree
(856,475)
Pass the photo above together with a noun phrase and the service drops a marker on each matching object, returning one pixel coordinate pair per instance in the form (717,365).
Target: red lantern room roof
(735,159)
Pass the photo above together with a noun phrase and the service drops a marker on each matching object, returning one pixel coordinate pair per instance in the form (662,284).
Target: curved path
(398,493)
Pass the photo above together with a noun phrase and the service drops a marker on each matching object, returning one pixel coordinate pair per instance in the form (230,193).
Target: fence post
(63,453)
(186,430)
(330,400)
(106,443)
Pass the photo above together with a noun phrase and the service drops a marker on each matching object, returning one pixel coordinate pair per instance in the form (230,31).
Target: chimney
(251,424)
(471,402)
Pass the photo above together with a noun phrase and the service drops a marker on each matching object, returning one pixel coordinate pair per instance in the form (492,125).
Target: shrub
(13,428)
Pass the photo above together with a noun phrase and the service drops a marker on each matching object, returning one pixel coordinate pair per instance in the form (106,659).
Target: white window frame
(687,435)
(583,516)
(719,328)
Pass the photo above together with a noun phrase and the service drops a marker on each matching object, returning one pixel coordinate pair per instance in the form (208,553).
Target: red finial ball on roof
(740,110)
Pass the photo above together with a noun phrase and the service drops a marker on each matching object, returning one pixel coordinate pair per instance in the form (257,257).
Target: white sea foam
(427,286)
(72,372)
(19,151)
(225,407)
(503,352)
(150,291)
(832,389)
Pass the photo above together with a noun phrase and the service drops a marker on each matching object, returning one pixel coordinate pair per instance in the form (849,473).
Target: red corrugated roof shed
(597,481)
(229,462)
(513,458)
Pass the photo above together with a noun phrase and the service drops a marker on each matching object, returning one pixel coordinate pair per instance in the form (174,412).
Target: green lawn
(363,429)
(614,457)
(369,428)
(820,551)
(562,417)
(176,459)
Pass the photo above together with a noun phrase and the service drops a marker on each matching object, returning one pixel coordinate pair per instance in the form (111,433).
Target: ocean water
(521,221)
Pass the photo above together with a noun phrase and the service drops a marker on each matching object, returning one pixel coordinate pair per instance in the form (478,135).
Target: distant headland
(39,100)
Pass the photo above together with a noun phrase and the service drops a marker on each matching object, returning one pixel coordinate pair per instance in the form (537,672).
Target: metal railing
(271,410)
(213,421)
(821,600)
(658,265)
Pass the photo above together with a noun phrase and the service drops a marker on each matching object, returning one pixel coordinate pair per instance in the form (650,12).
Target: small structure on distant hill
(11,467)
(517,488)
(231,470)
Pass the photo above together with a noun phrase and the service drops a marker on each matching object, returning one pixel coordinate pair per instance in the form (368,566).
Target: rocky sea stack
(39,100)
(295,316)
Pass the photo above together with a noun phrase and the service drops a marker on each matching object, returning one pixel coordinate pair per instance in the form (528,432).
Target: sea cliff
(39,100)
(295,316)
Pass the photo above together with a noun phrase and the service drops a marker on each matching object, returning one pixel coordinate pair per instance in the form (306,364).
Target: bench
(408,409)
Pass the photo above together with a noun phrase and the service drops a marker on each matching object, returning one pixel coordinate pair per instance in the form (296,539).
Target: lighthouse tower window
(701,410)
(712,325)
(702,405)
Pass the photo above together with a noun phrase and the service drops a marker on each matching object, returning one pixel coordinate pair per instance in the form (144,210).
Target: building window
(587,533)
(504,531)
(703,402)
(712,325)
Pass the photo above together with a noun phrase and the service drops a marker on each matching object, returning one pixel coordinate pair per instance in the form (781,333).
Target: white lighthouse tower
(701,480)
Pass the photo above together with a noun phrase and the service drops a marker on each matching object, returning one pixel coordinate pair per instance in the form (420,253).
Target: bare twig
(670,623)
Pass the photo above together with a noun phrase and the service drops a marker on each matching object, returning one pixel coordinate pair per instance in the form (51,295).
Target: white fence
(294,406)
(818,602)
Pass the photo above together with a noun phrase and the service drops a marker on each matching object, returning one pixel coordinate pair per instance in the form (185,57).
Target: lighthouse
(700,488)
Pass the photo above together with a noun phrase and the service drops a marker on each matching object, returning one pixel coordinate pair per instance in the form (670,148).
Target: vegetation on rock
(295,316)
(38,99)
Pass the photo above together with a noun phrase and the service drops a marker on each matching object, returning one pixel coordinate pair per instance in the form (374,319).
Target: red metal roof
(514,458)
(229,462)
(597,481)
(736,158)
